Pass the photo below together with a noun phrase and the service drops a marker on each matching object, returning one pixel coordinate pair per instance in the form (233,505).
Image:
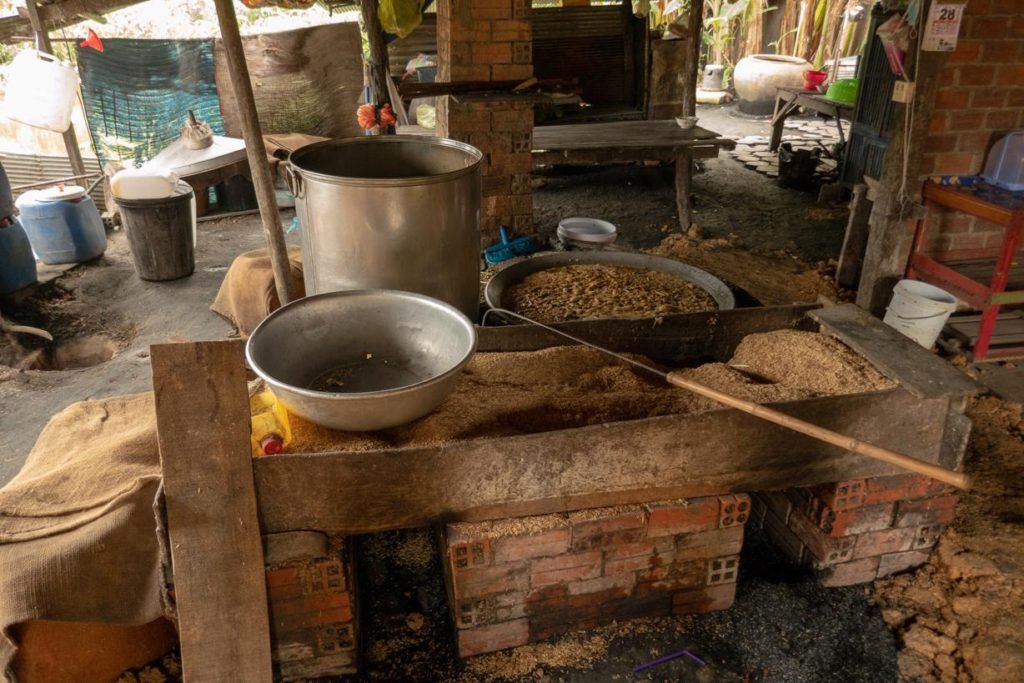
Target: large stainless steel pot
(391,212)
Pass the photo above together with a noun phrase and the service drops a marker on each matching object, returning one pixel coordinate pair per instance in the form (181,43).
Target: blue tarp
(137,94)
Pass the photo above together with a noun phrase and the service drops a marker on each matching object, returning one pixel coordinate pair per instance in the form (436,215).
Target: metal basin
(517,272)
(389,357)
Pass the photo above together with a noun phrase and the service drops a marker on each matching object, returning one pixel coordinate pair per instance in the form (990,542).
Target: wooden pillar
(889,237)
(254,148)
(43,44)
(694,25)
(379,62)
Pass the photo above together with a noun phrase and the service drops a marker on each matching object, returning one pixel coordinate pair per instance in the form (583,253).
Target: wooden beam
(202,416)
(43,43)
(851,256)
(255,150)
(661,458)
(57,15)
(694,26)
(379,61)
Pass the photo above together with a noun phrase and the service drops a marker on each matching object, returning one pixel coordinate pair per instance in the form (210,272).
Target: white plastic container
(1005,164)
(41,91)
(140,183)
(919,310)
(586,230)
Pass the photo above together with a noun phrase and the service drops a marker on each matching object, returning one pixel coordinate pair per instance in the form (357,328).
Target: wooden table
(588,144)
(986,284)
(789,100)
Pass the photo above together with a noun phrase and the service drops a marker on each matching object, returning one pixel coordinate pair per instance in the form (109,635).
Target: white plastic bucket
(919,310)
(41,91)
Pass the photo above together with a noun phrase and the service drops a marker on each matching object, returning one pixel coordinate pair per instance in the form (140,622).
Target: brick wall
(313,624)
(855,531)
(517,581)
(980,98)
(490,40)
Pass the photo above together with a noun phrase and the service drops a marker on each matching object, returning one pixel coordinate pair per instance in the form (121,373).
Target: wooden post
(694,24)
(888,243)
(380,67)
(254,148)
(44,45)
(202,422)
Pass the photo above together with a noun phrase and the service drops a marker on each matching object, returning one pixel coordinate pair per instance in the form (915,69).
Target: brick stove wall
(517,581)
(980,98)
(313,616)
(490,40)
(855,531)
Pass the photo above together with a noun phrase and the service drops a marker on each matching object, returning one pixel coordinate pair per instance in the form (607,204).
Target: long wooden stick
(957,479)
(255,150)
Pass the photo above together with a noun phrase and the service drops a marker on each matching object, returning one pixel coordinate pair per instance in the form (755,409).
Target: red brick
(941,143)
(973,142)
(624,551)
(976,75)
(487,580)
(496,185)
(708,599)
(1000,51)
(897,487)
(673,577)
(492,53)
(987,26)
(1015,98)
(966,120)
(495,205)
(707,544)
(512,121)
(521,9)
(821,546)
(966,51)
(893,563)
(988,98)
(937,123)
(511,72)
(951,98)
(621,583)
(1011,74)
(482,639)
(697,514)
(850,573)
(554,542)
(733,510)
(282,576)
(928,511)
(510,29)
(312,603)
(510,164)
(476,72)
(563,568)
(632,564)
(1007,7)
(955,163)
(723,570)
(860,520)
(1001,120)
(883,542)
(593,533)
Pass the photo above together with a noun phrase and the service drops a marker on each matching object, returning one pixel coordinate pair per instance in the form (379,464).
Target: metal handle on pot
(293,180)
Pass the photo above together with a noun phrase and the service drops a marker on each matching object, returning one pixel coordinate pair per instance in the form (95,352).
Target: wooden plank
(694,42)
(902,360)
(709,453)
(851,256)
(665,133)
(202,413)
(684,185)
(590,157)
(672,339)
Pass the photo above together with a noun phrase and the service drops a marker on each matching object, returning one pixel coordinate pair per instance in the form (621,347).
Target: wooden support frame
(476,480)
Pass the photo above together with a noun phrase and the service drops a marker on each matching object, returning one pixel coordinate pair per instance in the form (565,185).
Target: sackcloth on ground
(248,294)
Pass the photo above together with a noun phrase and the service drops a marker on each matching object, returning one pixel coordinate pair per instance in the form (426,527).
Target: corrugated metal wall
(26,169)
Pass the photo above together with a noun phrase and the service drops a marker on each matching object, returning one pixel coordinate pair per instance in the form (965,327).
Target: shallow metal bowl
(393,356)
(517,272)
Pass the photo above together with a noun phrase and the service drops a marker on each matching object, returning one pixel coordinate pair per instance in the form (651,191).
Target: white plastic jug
(41,91)
(140,183)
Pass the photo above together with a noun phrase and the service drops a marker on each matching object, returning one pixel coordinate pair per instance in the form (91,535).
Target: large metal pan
(393,356)
(517,272)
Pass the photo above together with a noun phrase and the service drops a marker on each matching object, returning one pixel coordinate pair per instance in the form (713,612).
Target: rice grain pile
(598,291)
(508,394)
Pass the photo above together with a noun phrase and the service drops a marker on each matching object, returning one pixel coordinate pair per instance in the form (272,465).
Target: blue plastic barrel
(64,226)
(17,264)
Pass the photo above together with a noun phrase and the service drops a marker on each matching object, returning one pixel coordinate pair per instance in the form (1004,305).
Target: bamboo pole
(957,479)
(254,149)
(44,45)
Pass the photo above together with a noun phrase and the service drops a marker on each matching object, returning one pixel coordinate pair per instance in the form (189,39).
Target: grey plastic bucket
(161,234)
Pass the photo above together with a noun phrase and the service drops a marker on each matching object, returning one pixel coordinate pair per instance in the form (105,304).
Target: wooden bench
(595,144)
